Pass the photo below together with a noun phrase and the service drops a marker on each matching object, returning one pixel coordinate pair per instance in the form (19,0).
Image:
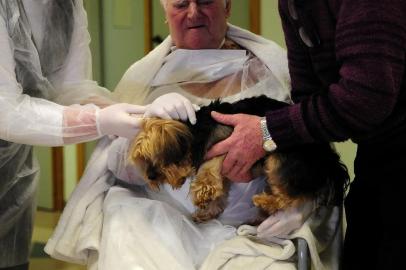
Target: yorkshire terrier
(169,151)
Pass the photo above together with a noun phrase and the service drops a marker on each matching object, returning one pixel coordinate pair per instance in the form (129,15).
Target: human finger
(218,149)
(237,173)
(134,109)
(230,161)
(172,111)
(180,112)
(190,111)
(161,113)
(226,119)
(196,107)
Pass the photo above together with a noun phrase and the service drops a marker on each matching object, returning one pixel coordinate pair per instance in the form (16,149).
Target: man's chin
(199,44)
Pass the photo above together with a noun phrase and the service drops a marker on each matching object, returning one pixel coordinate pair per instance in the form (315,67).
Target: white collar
(199,66)
(173,48)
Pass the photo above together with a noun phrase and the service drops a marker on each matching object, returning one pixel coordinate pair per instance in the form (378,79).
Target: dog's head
(162,151)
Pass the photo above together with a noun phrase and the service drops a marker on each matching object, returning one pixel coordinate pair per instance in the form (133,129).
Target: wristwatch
(268,144)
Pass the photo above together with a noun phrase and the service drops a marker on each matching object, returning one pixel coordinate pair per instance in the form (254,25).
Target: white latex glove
(121,119)
(172,106)
(282,223)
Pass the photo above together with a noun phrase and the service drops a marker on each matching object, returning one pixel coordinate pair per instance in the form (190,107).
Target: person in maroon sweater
(347,66)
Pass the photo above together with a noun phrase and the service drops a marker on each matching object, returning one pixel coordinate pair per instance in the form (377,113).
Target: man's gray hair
(165,2)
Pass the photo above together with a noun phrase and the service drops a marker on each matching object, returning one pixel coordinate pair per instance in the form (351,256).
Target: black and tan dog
(169,151)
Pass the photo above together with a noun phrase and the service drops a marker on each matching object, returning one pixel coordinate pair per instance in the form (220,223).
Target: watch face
(269,145)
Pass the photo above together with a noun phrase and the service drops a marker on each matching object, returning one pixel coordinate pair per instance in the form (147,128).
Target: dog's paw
(206,188)
(201,216)
(212,210)
(266,202)
(203,194)
(272,203)
(208,184)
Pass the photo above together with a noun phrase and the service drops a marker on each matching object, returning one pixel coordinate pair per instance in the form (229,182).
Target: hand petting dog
(172,106)
(245,141)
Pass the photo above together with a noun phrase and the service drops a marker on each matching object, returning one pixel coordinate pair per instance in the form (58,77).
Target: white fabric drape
(135,85)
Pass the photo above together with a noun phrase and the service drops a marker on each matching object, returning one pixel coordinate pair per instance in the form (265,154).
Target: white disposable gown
(44,55)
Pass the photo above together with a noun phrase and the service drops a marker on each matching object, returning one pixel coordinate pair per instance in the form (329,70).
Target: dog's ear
(178,141)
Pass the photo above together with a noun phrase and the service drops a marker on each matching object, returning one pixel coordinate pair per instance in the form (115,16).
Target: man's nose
(193,10)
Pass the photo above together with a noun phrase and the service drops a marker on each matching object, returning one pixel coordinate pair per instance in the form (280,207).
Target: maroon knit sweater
(353,84)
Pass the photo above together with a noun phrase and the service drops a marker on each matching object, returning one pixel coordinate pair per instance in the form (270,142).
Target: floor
(44,225)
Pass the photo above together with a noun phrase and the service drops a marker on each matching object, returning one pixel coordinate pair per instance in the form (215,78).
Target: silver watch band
(268,143)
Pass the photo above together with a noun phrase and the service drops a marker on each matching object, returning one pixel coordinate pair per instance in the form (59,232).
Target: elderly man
(204,58)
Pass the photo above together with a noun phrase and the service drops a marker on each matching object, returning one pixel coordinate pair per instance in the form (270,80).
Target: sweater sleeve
(370,41)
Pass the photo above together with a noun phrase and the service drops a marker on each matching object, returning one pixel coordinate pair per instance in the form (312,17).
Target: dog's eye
(152,174)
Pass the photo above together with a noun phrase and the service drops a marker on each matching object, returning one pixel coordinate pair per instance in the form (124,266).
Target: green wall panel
(44,192)
(123,37)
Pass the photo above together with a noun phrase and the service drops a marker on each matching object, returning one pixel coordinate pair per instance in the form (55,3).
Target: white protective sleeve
(74,82)
(28,120)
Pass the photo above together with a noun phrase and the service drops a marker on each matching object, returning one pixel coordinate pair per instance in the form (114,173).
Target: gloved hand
(172,106)
(118,120)
(282,223)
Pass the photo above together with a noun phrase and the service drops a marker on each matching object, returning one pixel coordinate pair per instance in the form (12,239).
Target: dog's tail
(339,181)
(314,171)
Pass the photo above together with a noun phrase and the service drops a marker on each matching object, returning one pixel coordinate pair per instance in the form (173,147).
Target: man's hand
(243,147)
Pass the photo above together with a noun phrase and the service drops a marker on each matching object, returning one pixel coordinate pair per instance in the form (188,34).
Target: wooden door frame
(57,178)
(255,16)
(147,26)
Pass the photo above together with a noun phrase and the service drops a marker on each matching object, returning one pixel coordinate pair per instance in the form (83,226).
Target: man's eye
(181,4)
(185,4)
(204,2)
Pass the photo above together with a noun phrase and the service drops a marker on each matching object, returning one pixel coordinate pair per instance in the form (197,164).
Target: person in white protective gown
(114,221)
(44,57)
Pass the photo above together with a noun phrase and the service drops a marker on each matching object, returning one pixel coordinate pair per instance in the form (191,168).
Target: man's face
(197,24)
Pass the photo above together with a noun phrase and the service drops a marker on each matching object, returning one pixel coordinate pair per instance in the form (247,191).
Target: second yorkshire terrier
(169,151)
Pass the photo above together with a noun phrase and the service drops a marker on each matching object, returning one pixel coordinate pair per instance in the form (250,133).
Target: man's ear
(228,8)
